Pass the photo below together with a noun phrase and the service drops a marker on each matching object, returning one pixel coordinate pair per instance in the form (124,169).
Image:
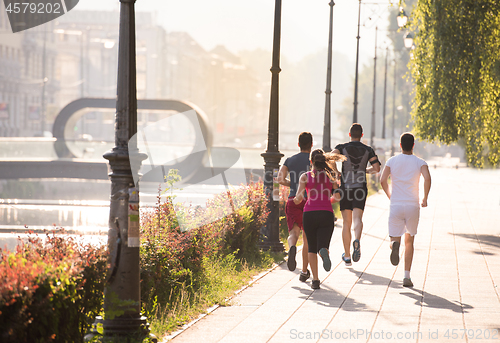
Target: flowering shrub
(50,291)
(172,259)
(240,228)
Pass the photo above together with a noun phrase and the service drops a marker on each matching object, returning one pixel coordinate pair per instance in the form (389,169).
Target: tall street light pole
(272,156)
(355,114)
(385,92)
(328,91)
(374,89)
(393,107)
(402,20)
(122,296)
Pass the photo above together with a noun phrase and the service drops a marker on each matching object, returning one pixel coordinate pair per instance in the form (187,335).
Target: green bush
(241,228)
(172,259)
(50,291)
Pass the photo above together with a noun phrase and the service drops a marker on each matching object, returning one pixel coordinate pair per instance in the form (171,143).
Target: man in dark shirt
(353,189)
(295,166)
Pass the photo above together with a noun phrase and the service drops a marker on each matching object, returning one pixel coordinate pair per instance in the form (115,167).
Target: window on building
(26,63)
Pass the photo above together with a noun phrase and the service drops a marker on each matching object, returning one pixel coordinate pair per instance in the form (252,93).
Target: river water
(83,217)
(82,206)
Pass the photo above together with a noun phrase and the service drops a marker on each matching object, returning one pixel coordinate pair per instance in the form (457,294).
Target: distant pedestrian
(405,170)
(320,183)
(354,189)
(294,167)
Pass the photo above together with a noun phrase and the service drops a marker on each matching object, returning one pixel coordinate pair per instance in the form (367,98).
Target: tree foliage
(456,70)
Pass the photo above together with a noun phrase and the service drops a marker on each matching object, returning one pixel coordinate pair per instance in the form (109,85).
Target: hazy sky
(240,25)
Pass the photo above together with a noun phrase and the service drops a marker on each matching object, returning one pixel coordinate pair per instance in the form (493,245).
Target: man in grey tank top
(294,167)
(353,190)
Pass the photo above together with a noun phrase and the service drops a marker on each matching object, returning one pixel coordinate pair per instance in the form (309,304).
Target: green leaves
(457,74)
(174,262)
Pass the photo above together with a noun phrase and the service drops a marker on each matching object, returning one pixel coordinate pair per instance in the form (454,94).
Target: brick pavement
(456,273)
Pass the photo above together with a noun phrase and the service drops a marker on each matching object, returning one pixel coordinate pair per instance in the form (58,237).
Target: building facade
(27,84)
(76,56)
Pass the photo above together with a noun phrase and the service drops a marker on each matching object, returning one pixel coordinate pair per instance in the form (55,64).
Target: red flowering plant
(164,255)
(51,289)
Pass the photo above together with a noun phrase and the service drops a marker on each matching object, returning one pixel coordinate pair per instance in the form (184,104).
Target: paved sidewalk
(456,272)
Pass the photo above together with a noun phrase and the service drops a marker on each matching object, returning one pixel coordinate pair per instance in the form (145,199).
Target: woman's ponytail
(326,162)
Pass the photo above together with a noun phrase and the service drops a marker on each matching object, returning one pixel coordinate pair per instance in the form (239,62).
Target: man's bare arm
(282,174)
(300,191)
(374,168)
(427,183)
(383,181)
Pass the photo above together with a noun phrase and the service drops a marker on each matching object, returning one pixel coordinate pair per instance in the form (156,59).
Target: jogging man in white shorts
(405,170)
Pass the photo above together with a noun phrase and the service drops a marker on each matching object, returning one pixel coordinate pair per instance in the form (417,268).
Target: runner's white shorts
(403,218)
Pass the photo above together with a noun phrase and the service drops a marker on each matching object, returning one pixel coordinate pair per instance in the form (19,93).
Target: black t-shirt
(354,169)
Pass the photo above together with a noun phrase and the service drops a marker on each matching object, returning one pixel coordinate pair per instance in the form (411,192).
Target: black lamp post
(393,108)
(328,91)
(355,114)
(408,43)
(122,320)
(272,156)
(402,20)
(385,92)
(374,89)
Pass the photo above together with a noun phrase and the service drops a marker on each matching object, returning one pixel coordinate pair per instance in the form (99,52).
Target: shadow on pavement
(488,240)
(372,279)
(329,297)
(483,253)
(427,299)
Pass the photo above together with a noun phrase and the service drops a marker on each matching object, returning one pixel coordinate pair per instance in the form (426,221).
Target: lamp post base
(272,247)
(130,330)
(270,232)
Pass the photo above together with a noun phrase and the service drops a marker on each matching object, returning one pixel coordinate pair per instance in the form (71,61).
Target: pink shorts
(294,213)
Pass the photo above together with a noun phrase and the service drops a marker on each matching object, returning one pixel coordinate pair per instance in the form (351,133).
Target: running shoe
(356,254)
(347,260)
(395,253)
(327,264)
(304,276)
(291,263)
(407,282)
(315,284)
